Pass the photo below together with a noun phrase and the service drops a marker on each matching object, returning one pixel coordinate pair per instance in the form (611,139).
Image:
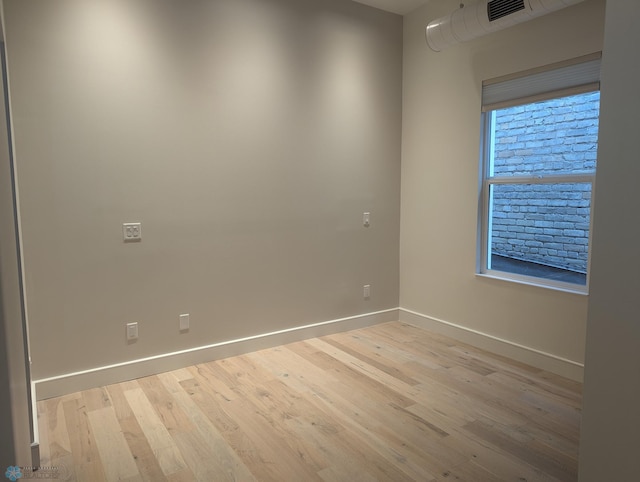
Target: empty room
(294,240)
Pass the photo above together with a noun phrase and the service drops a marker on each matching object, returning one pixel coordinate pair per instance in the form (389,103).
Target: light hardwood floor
(389,402)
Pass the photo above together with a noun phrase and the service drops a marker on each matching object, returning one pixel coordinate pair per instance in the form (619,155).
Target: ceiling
(400,7)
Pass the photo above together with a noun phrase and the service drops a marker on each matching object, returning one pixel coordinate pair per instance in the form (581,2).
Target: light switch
(184,322)
(366,292)
(132,331)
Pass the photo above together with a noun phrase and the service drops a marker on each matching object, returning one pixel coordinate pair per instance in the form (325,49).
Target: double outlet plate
(132,232)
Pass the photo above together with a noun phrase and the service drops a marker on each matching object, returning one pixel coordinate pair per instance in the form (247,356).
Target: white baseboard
(106,375)
(531,356)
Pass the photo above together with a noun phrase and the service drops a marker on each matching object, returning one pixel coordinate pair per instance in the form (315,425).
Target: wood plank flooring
(390,402)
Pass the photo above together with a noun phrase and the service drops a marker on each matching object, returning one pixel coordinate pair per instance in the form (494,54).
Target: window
(540,139)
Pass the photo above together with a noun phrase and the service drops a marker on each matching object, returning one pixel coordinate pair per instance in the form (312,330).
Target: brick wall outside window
(545,223)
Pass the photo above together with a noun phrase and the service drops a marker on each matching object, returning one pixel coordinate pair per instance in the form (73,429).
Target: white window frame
(555,81)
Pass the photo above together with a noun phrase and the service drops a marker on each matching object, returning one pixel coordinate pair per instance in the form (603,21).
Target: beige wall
(441,131)
(611,420)
(248,137)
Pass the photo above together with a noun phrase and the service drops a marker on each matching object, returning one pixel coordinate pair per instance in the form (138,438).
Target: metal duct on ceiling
(487,16)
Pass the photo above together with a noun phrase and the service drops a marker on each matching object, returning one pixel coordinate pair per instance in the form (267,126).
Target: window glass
(549,137)
(538,176)
(541,230)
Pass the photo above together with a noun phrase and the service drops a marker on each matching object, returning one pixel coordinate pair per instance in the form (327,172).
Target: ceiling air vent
(501,8)
(484,17)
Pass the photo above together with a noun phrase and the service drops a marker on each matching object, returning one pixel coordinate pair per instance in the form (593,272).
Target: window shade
(557,80)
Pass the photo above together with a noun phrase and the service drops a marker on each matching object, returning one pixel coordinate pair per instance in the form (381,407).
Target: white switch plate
(132,231)
(366,292)
(132,331)
(366,219)
(184,322)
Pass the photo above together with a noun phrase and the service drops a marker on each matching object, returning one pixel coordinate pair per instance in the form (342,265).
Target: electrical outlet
(132,231)
(184,322)
(366,292)
(132,331)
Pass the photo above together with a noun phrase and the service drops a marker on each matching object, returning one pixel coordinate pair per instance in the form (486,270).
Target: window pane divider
(550,179)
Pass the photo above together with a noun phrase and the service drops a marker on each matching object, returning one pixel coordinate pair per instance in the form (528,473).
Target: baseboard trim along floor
(105,375)
(531,356)
(386,402)
(119,372)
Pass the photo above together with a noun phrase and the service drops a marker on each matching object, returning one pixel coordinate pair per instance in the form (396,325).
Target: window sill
(564,287)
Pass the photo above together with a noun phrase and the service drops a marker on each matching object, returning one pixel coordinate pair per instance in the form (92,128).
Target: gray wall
(248,137)
(440,151)
(611,419)
(15,435)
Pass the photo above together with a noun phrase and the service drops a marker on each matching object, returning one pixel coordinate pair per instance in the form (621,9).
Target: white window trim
(487,179)
(536,282)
